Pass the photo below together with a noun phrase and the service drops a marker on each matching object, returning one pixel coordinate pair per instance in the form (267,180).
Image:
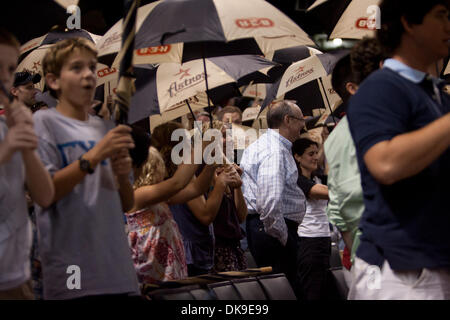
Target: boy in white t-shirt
(83,245)
(19,167)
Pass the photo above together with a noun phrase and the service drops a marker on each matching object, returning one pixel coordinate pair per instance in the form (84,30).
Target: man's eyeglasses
(300,119)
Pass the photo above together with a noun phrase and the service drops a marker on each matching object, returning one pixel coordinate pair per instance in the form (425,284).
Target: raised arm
(21,137)
(67,178)
(197,186)
(206,210)
(239,199)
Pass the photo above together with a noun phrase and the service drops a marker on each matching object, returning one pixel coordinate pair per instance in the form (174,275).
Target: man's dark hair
(139,153)
(342,73)
(277,112)
(391,31)
(365,58)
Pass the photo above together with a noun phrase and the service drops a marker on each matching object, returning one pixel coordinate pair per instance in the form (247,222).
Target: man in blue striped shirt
(275,203)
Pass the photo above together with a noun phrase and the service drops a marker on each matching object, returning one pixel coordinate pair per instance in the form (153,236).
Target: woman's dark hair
(391,31)
(139,153)
(299,146)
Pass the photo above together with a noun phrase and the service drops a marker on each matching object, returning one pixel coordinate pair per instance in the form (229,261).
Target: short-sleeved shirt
(405,223)
(85,227)
(15,226)
(315,223)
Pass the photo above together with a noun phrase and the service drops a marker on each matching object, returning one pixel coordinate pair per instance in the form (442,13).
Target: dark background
(29,19)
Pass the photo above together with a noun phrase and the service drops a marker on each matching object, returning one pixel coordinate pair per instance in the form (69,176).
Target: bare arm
(241,206)
(21,137)
(408,154)
(153,194)
(122,165)
(206,210)
(318,191)
(196,187)
(67,178)
(348,240)
(239,200)
(38,180)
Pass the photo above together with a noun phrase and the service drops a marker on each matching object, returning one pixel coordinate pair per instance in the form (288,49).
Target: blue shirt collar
(411,74)
(404,70)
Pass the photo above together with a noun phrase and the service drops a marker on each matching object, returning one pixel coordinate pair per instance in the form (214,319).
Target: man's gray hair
(277,112)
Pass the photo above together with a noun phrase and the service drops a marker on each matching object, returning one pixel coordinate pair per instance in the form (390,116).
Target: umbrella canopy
(155,41)
(33,52)
(54,36)
(175,21)
(360,19)
(194,103)
(160,88)
(300,75)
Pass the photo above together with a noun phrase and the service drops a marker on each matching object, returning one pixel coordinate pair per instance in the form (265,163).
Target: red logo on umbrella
(105,71)
(365,23)
(184,73)
(36,65)
(300,69)
(250,23)
(153,50)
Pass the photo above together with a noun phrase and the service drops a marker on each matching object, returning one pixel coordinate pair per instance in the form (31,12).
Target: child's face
(8,64)
(77,80)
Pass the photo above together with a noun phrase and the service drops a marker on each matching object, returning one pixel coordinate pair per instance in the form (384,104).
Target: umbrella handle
(206,84)
(328,102)
(193,115)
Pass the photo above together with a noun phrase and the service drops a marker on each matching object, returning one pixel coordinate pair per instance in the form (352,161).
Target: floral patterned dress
(156,244)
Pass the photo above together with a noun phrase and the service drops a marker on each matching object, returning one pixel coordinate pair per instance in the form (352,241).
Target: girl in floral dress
(156,243)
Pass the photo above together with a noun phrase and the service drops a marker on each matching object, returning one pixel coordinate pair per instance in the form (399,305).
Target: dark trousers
(314,267)
(268,251)
(194,271)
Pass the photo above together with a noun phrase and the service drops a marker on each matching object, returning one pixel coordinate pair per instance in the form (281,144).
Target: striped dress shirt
(270,183)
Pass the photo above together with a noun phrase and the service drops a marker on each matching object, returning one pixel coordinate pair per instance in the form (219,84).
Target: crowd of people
(80,196)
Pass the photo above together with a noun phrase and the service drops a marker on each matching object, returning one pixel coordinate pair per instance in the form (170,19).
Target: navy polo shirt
(407,223)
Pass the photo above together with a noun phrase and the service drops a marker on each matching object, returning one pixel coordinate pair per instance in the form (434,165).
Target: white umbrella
(298,79)
(233,20)
(33,52)
(360,19)
(447,69)
(160,88)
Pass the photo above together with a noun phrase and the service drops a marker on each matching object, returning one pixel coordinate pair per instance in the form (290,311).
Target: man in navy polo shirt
(400,122)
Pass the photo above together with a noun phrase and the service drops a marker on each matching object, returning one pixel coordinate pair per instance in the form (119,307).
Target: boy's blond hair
(58,54)
(152,171)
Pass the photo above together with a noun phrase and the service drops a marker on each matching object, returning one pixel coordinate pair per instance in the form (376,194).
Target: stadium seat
(277,287)
(224,290)
(249,289)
